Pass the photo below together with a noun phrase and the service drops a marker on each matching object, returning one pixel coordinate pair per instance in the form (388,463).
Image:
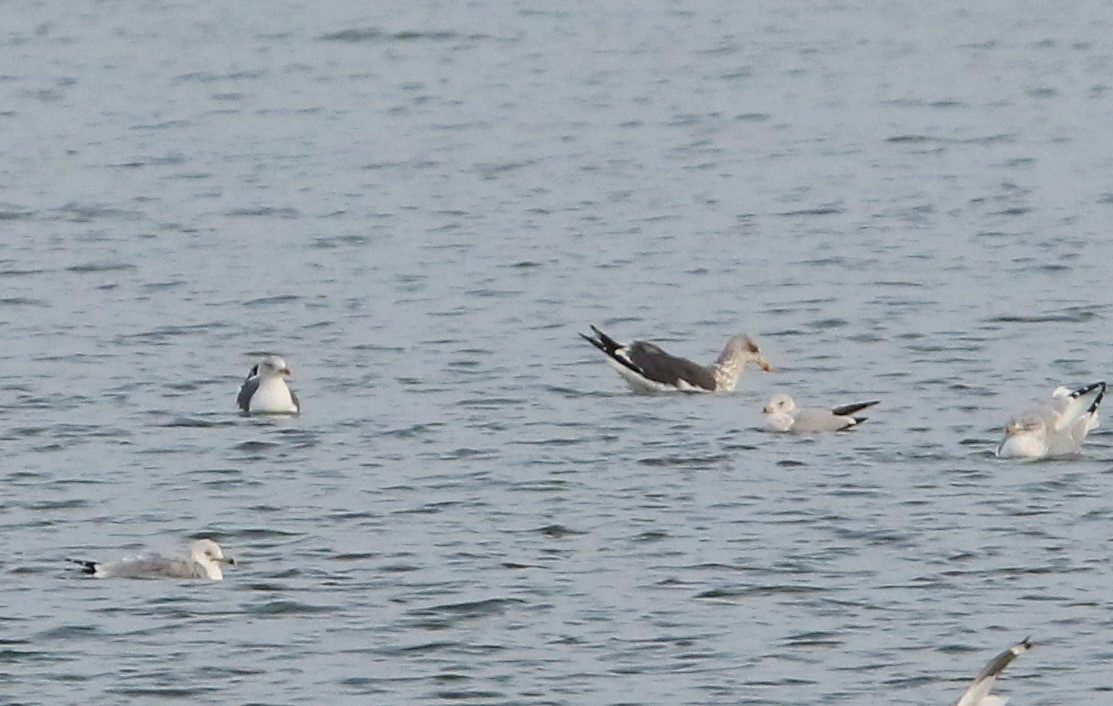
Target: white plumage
(1054,427)
(203,562)
(782,414)
(265,391)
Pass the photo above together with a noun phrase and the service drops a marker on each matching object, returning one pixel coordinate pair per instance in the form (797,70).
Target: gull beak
(765,365)
(287,372)
(227,560)
(767,410)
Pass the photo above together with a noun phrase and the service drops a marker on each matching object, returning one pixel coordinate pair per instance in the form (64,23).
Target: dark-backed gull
(647,368)
(264,391)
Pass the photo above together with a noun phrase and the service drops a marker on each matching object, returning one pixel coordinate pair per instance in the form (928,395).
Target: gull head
(780,413)
(273,366)
(741,350)
(780,403)
(1026,424)
(210,556)
(1025,437)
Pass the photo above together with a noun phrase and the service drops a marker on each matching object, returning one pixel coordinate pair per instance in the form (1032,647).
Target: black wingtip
(1101,394)
(87,567)
(851,425)
(1087,389)
(604,343)
(847,410)
(592,341)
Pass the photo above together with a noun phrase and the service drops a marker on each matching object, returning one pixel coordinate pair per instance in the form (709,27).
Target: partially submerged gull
(264,391)
(1054,427)
(203,562)
(782,414)
(647,368)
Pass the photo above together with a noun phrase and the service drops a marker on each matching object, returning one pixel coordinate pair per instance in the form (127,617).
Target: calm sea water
(419,205)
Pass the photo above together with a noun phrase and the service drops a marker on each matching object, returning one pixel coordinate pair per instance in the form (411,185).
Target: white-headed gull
(1054,427)
(782,414)
(647,368)
(203,562)
(264,391)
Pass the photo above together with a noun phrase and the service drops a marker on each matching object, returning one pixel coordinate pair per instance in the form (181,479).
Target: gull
(203,562)
(648,369)
(978,692)
(1054,427)
(264,390)
(782,414)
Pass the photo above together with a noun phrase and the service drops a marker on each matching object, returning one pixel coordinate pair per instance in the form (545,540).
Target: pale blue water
(419,205)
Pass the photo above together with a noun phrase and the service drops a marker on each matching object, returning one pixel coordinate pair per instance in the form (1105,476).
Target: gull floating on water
(978,693)
(1054,427)
(264,391)
(203,562)
(782,414)
(646,368)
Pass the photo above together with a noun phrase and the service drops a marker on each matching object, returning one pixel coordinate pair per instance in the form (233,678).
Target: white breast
(1022,446)
(272,397)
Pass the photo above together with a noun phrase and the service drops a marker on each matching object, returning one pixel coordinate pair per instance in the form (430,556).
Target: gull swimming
(203,562)
(782,414)
(978,692)
(648,369)
(1054,427)
(264,390)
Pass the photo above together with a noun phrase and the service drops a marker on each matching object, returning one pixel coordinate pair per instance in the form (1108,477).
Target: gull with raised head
(978,692)
(203,562)
(782,414)
(1054,427)
(647,368)
(264,390)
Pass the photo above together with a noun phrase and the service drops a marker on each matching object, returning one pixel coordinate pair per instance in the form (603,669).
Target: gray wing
(247,390)
(812,419)
(985,679)
(152,566)
(297,402)
(997,664)
(655,364)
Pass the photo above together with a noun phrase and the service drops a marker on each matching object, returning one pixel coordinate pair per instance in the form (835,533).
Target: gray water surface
(419,205)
